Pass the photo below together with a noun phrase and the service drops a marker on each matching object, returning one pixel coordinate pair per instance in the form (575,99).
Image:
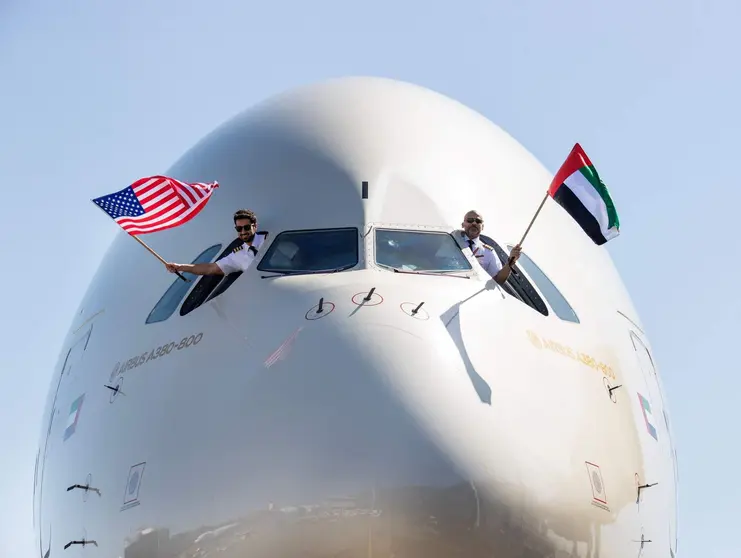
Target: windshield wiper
(306,272)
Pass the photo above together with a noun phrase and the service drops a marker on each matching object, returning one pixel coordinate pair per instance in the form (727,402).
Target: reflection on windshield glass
(419,251)
(312,251)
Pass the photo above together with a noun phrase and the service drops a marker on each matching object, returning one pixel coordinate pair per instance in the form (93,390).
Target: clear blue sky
(95,94)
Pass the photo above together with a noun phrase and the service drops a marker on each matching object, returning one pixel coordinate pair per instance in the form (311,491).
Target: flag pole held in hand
(155,203)
(156,255)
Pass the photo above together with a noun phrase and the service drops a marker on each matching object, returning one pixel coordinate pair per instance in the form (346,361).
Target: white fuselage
(303,414)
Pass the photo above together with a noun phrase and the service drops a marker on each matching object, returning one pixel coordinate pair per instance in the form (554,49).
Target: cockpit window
(312,251)
(420,251)
(210,286)
(558,302)
(175,293)
(517,285)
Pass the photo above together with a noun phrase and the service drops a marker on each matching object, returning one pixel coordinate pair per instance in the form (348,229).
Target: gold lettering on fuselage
(561,349)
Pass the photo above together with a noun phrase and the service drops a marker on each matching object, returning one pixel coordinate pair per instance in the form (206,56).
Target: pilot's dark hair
(245,214)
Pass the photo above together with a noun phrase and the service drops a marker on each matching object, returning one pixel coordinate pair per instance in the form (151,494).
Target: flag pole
(542,203)
(533,219)
(155,254)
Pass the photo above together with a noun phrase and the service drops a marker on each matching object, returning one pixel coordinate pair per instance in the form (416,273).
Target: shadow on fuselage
(451,321)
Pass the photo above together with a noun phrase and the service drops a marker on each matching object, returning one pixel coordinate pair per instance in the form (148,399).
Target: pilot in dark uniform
(245,223)
(468,237)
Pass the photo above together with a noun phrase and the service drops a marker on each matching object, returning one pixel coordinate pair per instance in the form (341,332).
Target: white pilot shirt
(242,256)
(484,254)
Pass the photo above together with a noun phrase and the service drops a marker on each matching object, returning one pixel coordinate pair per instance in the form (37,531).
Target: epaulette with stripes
(238,248)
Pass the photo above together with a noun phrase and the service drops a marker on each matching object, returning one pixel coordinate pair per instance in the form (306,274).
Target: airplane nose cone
(353,470)
(322,399)
(340,445)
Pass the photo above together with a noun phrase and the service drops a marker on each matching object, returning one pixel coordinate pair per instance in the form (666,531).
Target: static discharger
(115,389)
(610,388)
(321,310)
(83,542)
(638,498)
(643,541)
(85,487)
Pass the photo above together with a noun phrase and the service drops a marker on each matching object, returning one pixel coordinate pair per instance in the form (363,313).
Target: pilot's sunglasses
(474,220)
(240,227)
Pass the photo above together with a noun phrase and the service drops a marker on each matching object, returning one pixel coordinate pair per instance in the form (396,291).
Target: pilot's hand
(514,255)
(172,267)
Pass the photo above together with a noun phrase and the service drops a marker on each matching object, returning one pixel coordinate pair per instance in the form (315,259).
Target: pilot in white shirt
(468,237)
(241,257)
(245,223)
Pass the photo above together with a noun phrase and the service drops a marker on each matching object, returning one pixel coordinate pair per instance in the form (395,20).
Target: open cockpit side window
(211,286)
(517,285)
(227,281)
(174,294)
(555,298)
(414,251)
(312,251)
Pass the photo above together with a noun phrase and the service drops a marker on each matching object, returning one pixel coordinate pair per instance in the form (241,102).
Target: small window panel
(208,283)
(517,285)
(174,295)
(553,296)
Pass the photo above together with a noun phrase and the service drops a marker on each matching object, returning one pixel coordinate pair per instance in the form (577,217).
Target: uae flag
(578,189)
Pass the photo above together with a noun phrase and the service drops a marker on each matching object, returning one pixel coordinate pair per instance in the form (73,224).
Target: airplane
(341,397)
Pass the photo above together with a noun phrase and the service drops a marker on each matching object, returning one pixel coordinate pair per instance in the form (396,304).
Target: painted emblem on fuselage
(73,417)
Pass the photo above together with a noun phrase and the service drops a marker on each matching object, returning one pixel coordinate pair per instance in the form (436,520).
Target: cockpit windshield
(312,251)
(419,251)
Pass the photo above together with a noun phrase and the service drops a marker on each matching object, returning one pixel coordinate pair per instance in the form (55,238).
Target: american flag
(155,203)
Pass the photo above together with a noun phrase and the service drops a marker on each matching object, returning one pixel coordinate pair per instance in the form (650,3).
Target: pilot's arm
(503,274)
(239,260)
(196,269)
(500,273)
